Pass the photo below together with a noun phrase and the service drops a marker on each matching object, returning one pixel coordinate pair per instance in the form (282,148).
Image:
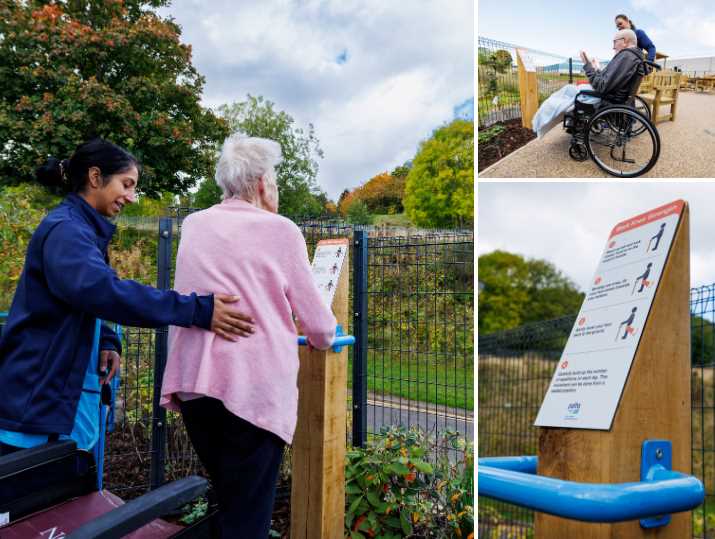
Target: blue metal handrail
(662,491)
(338,343)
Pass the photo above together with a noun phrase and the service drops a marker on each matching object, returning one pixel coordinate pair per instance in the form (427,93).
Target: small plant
(486,135)
(392,491)
(195,511)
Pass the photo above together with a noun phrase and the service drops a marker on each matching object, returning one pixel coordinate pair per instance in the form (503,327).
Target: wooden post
(655,404)
(528,88)
(318,459)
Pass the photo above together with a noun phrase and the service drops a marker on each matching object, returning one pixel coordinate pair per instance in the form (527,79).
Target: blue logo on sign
(573,409)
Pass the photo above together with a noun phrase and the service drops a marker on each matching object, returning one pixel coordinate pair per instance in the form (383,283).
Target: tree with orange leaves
(73,70)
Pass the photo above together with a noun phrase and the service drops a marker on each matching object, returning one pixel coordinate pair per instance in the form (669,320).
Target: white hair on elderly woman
(243,162)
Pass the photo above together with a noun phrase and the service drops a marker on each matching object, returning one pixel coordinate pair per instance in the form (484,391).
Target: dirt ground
(506,142)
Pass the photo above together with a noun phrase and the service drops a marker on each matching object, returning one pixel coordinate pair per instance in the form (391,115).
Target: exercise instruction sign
(327,265)
(592,372)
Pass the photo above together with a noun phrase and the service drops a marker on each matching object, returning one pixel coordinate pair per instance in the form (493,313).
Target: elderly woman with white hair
(239,399)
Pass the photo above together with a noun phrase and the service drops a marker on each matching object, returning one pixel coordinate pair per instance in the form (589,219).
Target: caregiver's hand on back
(227,322)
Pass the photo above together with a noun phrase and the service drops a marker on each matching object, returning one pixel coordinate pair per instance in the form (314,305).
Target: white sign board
(327,265)
(592,372)
(527,60)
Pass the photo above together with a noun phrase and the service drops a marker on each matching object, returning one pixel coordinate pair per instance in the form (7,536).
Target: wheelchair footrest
(62,519)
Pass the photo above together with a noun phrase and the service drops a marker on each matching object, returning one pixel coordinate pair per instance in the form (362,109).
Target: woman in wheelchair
(610,123)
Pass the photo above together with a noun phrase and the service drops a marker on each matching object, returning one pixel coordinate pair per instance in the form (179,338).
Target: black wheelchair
(617,133)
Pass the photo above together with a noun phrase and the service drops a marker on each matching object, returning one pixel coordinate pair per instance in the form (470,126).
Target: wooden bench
(686,82)
(704,83)
(664,91)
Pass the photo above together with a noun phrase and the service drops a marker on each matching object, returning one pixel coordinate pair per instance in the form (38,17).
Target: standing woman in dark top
(644,42)
(67,284)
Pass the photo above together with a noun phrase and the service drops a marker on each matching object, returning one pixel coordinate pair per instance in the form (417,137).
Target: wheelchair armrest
(140,511)
(35,456)
(590,93)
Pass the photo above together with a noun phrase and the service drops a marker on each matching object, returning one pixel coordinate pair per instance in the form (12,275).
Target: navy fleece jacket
(65,285)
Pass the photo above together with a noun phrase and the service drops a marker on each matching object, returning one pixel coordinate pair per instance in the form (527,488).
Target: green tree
(498,62)
(148,206)
(702,340)
(440,185)
(22,207)
(209,193)
(359,214)
(73,70)
(516,291)
(298,191)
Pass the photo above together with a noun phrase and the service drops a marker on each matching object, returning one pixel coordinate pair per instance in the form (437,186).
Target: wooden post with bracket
(654,404)
(318,454)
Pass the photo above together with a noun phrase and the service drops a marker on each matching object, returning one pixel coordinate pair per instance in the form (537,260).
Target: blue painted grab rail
(340,339)
(663,491)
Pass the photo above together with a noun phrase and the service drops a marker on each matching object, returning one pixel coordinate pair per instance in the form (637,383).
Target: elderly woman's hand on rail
(227,322)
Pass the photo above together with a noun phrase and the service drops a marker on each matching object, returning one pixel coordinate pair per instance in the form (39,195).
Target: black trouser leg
(243,462)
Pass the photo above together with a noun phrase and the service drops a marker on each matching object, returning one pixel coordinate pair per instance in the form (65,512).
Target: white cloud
(684,27)
(568,223)
(407,66)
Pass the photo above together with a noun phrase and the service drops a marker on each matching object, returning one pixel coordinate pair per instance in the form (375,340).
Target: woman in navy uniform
(67,284)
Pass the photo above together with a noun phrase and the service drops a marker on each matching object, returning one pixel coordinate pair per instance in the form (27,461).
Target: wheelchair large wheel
(641,106)
(622,142)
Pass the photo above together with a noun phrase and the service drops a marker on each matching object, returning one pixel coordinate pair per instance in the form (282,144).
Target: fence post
(655,404)
(528,87)
(318,459)
(158,427)
(360,242)
(570,70)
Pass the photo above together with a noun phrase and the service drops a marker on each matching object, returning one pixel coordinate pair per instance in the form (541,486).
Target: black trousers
(242,461)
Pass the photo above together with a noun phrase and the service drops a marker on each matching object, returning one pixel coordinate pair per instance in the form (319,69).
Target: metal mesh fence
(515,368)
(498,78)
(420,333)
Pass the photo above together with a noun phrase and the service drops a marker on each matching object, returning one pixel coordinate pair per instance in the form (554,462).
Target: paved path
(387,410)
(687,149)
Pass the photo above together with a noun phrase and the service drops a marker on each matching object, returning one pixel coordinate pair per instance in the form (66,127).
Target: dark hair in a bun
(70,175)
(50,174)
(625,18)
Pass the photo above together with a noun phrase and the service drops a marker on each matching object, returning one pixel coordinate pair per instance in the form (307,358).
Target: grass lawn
(446,384)
(397,219)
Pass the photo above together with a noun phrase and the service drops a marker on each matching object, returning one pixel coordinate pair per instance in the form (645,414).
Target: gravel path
(687,149)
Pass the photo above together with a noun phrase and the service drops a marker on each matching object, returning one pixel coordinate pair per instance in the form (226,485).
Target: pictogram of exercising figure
(334,268)
(643,279)
(339,252)
(656,238)
(330,285)
(627,322)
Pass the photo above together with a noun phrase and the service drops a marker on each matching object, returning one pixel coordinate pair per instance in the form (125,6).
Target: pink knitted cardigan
(236,248)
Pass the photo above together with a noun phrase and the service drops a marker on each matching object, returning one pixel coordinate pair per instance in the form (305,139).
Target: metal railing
(515,368)
(660,491)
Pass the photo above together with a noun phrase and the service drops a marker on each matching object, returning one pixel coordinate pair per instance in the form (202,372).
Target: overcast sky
(568,223)
(679,28)
(375,78)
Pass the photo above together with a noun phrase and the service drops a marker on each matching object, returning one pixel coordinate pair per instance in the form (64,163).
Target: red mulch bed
(512,138)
